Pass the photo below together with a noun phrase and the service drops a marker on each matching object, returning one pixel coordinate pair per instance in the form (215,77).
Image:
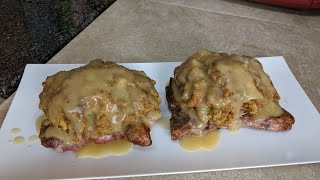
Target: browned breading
(219,90)
(97,100)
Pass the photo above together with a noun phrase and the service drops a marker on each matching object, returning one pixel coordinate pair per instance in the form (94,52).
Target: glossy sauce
(33,138)
(15,131)
(97,99)
(164,123)
(58,133)
(217,87)
(38,123)
(18,140)
(267,110)
(117,147)
(206,141)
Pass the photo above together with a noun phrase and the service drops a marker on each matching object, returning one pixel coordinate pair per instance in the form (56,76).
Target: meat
(139,135)
(98,102)
(181,124)
(279,123)
(211,91)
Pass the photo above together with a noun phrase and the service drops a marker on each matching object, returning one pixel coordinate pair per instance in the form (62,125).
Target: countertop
(167,30)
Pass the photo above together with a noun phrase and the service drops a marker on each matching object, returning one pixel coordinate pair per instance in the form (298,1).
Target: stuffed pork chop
(216,90)
(98,103)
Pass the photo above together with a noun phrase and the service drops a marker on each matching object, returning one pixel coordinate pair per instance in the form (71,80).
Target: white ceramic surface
(247,148)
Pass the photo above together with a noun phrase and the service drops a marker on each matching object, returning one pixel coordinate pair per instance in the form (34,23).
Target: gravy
(39,122)
(117,147)
(33,138)
(206,141)
(164,123)
(18,140)
(15,131)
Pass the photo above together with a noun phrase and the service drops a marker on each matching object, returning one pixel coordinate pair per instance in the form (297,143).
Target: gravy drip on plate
(206,141)
(117,147)
(15,131)
(164,123)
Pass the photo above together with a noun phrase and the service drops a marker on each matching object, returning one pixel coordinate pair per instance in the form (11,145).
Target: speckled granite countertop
(167,30)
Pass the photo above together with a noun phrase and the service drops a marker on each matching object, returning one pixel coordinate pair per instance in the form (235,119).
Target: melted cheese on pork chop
(98,99)
(220,87)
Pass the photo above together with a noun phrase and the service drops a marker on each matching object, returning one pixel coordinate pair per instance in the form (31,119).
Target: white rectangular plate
(247,148)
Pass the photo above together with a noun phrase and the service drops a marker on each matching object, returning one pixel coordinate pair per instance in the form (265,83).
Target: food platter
(246,148)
